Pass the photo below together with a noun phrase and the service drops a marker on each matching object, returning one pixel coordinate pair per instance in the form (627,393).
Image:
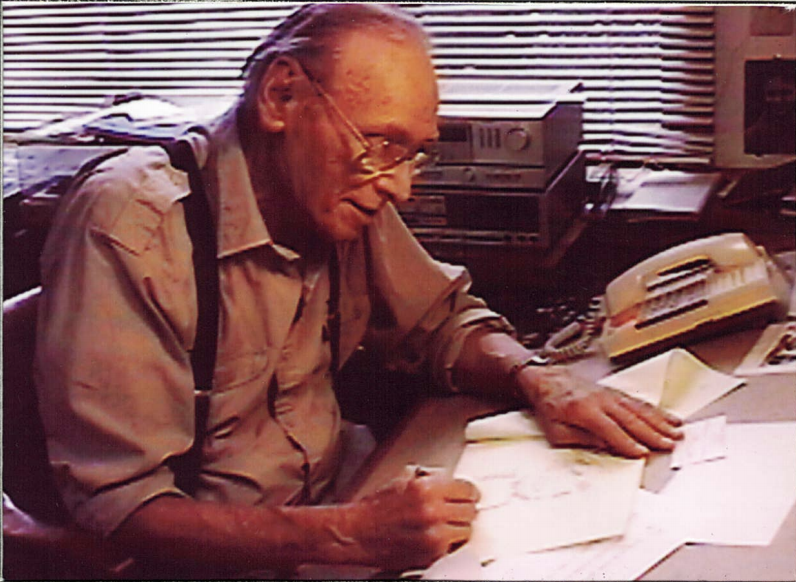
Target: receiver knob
(517,139)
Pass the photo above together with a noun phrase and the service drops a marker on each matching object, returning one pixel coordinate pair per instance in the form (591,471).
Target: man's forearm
(572,411)
(410,522)
(220,540)
(488,365)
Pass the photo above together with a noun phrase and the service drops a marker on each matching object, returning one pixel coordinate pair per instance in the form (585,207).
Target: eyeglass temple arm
(347,122)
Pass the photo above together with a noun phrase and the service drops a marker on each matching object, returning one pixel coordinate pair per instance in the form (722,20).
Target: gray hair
(308,33)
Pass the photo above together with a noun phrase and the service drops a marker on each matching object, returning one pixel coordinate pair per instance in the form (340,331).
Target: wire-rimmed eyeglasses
(379,154)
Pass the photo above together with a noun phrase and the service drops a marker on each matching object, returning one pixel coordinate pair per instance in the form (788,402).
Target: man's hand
(409,523)
(413,521)
(575,412)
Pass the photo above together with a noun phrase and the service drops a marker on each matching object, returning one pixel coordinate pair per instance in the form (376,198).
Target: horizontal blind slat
(646,71)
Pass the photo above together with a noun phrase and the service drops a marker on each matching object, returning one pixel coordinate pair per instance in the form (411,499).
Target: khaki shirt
(118,318)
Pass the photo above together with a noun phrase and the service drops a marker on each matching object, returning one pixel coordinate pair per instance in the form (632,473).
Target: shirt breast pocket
(239,369)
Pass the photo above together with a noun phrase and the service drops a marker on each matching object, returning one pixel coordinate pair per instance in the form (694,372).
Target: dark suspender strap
(201,230)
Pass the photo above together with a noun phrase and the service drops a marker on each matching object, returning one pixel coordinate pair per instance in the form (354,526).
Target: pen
(417,471)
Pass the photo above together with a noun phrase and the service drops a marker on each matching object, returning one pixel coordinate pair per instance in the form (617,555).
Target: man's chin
(344,234)
(339,232)
(347,225)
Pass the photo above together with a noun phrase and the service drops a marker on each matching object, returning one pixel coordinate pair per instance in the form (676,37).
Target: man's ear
(276,92)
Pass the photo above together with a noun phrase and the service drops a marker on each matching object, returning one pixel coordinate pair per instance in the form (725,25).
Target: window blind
(646,70)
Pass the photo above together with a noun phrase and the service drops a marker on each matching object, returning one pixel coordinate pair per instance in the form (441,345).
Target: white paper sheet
(676,380)
(535,497)
(650,537)
(463,564)
(644,380)
(516,424)
(744,498)
(703,441)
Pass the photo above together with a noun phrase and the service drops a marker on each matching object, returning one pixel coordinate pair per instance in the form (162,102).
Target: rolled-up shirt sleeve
(116,321)
(428,307)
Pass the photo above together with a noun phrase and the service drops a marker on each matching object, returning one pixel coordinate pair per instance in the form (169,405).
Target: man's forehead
(371,71)
(361,59)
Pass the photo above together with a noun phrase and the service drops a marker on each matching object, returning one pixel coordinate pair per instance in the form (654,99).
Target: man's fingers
(574,412)
(562,435)
(419,518)
(461,490)
(452,535)
(614,438)
(446,488)
(661,420)
(454,500)
(616,433)
(672,419)
(624,429)
(638,427)
(460,513)
(460,497)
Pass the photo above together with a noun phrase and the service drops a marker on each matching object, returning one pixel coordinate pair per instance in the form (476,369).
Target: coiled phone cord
(574,340)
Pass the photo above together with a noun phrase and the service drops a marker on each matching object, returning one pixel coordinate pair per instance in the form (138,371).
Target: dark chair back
(27,477)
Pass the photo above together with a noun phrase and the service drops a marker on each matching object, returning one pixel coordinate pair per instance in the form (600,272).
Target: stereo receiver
(485,124)
(537,134)
(483,176)
(515,217)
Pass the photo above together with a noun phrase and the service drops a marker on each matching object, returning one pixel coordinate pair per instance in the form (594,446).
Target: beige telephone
(687,290)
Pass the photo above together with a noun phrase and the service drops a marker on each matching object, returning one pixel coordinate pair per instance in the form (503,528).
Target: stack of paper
(648,539)
(742,499)
(549,514)
(535,497)
(669,194)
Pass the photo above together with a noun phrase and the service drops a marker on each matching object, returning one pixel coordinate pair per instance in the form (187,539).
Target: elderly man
(338,111)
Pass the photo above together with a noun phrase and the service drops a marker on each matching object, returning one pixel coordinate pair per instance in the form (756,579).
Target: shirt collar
(240,224)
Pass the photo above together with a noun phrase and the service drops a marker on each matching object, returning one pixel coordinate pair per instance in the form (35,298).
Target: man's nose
(396,185)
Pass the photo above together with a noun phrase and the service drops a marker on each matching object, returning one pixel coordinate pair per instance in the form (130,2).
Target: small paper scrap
(703,441)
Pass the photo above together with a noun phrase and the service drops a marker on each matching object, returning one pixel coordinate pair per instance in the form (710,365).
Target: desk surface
(433,435)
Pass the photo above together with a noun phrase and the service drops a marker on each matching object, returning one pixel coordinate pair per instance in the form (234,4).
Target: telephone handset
(689,288)
(682,291)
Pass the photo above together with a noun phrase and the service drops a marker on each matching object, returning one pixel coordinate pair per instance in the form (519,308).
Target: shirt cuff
(106,510)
